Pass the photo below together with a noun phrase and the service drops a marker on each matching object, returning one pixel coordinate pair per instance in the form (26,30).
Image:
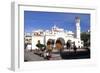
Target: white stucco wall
(35,40)
(55,37)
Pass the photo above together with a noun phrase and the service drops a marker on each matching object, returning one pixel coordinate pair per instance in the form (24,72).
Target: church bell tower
(77,20)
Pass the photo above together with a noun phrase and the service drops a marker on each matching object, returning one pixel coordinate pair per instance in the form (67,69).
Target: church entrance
(60,42)
(69,44)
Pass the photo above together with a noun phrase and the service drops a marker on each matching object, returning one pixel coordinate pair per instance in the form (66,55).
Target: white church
(57,33)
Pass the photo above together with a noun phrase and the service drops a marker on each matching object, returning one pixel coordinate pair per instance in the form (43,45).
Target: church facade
(58,33)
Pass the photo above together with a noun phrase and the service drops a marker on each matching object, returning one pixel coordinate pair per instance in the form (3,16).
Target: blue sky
(34,20)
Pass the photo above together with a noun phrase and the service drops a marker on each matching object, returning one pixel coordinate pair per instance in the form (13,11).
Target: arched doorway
(60,42)
(69,44)
(52,41)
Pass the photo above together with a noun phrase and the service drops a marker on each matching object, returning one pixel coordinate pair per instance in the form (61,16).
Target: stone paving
(31,56)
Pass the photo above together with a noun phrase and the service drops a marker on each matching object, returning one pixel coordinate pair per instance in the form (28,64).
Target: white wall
(35,41)
(5,40)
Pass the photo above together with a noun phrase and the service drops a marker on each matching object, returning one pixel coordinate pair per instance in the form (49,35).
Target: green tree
(85,37)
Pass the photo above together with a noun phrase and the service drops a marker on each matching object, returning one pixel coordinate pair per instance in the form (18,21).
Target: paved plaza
(66,54)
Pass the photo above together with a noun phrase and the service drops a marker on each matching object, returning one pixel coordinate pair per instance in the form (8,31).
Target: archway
(52,41)
(69,44)
(60,42)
